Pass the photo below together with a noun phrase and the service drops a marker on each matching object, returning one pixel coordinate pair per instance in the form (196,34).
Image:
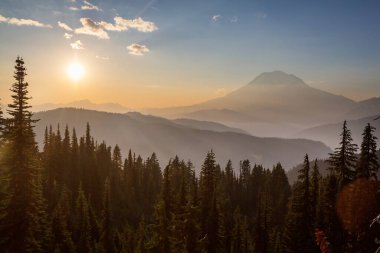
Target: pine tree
(343,160)
(107,234)
(2,124)
(299,233)
(23,225)
(368,164)
(208,203)
(62,237)
(160,241)
(315,195)
(82,230)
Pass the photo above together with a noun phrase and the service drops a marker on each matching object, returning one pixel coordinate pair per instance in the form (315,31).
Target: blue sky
(190,51)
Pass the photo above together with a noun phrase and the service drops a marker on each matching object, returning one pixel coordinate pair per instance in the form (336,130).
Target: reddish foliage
(321,240)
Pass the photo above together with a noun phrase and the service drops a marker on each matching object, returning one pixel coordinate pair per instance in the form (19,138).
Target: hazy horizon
(154,54)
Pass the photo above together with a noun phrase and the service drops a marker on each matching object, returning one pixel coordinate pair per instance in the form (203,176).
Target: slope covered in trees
(147,134)
(80,195)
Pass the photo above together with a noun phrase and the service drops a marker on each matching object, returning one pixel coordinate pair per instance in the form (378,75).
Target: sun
(75,71)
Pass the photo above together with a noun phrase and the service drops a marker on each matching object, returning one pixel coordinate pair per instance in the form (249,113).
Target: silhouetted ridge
(277,78)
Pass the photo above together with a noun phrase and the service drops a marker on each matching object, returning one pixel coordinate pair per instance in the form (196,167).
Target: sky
(162,53)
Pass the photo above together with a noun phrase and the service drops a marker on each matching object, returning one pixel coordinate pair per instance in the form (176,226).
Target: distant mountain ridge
(329,133)
(275,104)
(83,104)
(147,134)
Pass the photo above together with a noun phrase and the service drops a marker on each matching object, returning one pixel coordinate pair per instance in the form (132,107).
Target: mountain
(208,125)
(364,108)
(147,134)
(329,133)
(195,124)
(273,98)
(85,104)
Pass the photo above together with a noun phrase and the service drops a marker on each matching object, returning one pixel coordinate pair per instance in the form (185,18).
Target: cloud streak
(64,26)
(77,45)
(216,18)
(67,36)
(23,22)
(99,29)
(90,27)
(105,58)
(89,6)
(137,49)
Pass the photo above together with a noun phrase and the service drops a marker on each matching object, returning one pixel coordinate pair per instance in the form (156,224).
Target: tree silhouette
(23,226)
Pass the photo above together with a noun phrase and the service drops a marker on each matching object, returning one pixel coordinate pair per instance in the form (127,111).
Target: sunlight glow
(75,71)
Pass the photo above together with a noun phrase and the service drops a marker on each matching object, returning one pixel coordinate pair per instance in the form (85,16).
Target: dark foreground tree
(368,165)
(23,223)
(343,160)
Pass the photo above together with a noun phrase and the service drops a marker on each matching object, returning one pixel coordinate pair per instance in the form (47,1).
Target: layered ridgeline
(275,104)
(147,134)
(328,133)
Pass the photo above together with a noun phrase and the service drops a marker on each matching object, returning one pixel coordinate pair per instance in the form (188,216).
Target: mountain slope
(274,98)
(364,108)
(208,125)
(168,139)
(84,104)
(329,133)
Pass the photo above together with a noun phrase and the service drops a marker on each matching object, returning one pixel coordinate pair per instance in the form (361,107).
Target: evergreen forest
(80,195)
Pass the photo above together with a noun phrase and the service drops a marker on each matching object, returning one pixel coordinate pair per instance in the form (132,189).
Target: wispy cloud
(93,28)
(261,15)
(99,29)
(89,6)
(73,8)
(137,49)
(105,58)
(122,24)
(216,18)
(64,26)
(78,45)
(67,36)
(23,22)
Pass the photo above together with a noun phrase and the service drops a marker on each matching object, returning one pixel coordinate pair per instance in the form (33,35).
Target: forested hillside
(147,134)
(81,195)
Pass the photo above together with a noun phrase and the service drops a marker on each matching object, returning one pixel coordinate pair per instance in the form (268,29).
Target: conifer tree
(82,232)
(107,234)
(299,233)
(208,203)
(207,187)
(62,236)
(343,160)
(2,124)
(23,225)
(163,212)
(368,164)
(315,195)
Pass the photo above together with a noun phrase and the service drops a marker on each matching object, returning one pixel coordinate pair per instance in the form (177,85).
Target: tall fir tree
(343,161)
(23,225)
(82,230)
(107,233)
(299,233)
(2,124)
(368,164)
(208,203)
(62,236)
(315,195)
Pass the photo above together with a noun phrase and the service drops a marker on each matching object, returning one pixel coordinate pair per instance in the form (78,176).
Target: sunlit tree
(24,223)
